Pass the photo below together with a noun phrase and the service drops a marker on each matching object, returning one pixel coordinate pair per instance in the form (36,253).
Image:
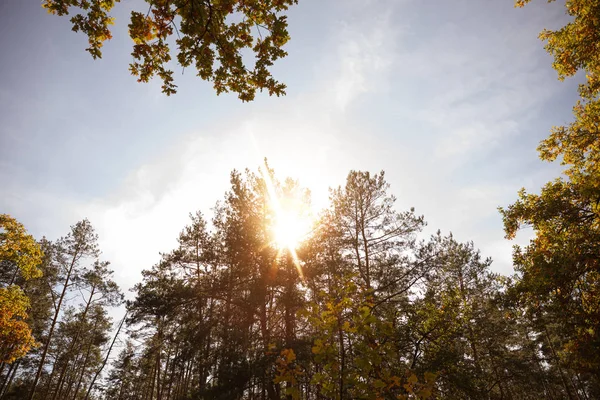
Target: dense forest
(266,298)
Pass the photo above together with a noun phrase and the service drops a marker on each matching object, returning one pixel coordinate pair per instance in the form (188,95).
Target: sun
(290,220)
(289,230)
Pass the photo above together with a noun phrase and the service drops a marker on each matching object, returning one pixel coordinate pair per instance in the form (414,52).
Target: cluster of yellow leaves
(19,252)
(15,335)
(19,248)
(418,390)
(288,372)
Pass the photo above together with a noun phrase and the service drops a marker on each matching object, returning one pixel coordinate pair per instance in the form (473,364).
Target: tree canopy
(20,257)
(559,271)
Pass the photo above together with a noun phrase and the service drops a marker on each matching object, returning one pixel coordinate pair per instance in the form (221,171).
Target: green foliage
(212,36)
(369,370)
(559,270)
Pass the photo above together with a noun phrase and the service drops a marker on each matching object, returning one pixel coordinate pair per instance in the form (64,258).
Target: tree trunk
(158,354)
(2,364)
(342,358)
(82,374)
(9,378)
(153,375)
(366,245)
(560,370)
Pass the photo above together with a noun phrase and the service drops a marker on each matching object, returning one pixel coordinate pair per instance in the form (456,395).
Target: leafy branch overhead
(213,36)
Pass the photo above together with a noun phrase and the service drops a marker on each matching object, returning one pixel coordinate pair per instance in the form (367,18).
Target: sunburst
(291,224)
(290,230)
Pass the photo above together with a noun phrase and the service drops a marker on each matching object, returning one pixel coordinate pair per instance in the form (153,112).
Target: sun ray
(296,261)
(288,228)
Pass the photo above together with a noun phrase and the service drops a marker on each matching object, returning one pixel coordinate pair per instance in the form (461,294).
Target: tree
(212,36)
(20,257)
(373,234)
(102,292)
(71,251)
(214,313)
(75,366)
(559,271)
(106,357)
(362,271)
(575,48)
(39,292)
(19,252)
(121,378)
(72,336)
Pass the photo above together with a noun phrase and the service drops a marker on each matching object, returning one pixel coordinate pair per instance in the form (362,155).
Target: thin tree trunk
(342,358)
(153,375)
(70,383)
(80,358)
(178,384)
(547,390)
(172,375)
(83,366)
(582,386)
(158,355)
(560,370)
(50,377)
(14,276)
(366,244)
(185,378)
(87,394)
(356,247)
(2,364)
(266,339)
(69,375)
(9,378)
(206,352)
(471,334)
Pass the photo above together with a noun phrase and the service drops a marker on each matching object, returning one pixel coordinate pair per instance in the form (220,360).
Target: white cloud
(364,60)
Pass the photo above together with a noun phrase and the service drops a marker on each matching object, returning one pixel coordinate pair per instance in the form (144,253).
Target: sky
(450,99)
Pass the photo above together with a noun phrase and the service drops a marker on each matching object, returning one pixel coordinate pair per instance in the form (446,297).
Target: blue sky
(449,98)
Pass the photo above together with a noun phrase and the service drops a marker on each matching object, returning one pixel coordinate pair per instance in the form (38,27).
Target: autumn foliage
(20,256)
